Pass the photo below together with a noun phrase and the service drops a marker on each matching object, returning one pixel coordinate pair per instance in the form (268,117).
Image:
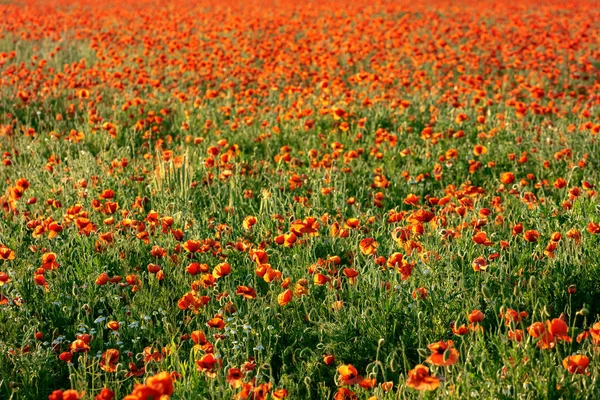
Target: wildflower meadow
(269,199)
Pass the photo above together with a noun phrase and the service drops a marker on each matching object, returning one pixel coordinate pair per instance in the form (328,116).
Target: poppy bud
(387,386)
(584,312)
(113,325)
(486,292)
(328,359)
(572,289)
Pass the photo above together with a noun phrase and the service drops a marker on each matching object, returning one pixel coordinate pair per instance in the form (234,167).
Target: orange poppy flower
(4,278)
(513,316)
(279,394)
(246,291)
(507,178)
(420,379)
(234,377)
(395,260)
(420,293)
(320,279)
(575,235)
(113,325)
(479,150)
(403,267)
(262,269)
(153,268)
(476,316)
(40,280)
(6,253)
(421,216)
(556,237)
(272,275)
(221,270)
(249,222)
(481,238)
(105,394)
(479,264)
(538,330)
(442,353)
(309,226)
(352,223)
(517,335)
(368,383)
(412,200)
(348,375)
(259,256)
(517,229)
(79,346)
(65,395)
(350,273)
(208,364)
(49,261)
(337,305)
(336,231)
(109,360)
(190,301)
(344,394)
(199,337)
(151,354)
(300,288)
(461,330)
(85,337)
(216,322)
(531,236)
(287,239)
(161,383)
(285,297)
(594,333)
(54,229)
(593,228)
(368,246)
(196,268)
(192,246)
(338,113)
(559,329)
(405,270)
(65,356)
(576,364)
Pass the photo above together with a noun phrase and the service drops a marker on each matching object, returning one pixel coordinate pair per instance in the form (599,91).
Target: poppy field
(299,199)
